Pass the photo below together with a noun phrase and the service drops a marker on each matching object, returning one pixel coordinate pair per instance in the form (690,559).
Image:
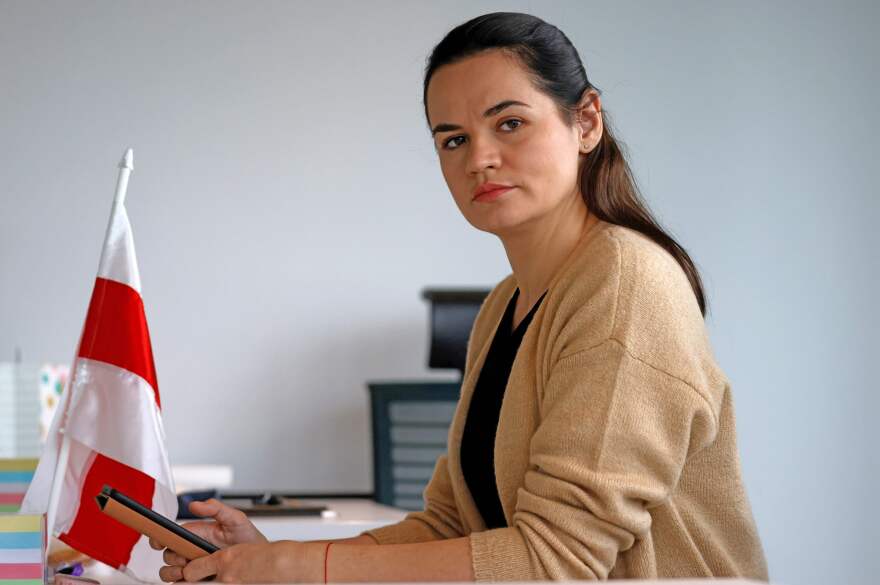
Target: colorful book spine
(15,476)
(22,549)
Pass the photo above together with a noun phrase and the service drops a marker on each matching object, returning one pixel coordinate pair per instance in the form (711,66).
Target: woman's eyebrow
(490,112)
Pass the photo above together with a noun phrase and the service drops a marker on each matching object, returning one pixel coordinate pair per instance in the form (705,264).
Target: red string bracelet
(326,557)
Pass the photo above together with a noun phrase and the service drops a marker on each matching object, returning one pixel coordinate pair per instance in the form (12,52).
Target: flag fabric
(111,415)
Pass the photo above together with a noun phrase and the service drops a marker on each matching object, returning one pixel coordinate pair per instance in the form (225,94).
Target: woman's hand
(271,562)
(230,526)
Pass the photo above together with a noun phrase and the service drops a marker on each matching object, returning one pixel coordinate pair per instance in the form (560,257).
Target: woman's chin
(499,224)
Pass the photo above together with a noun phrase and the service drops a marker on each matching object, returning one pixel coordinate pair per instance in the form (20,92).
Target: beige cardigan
(616,454)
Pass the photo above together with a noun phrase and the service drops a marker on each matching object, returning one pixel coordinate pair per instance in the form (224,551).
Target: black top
(478,438)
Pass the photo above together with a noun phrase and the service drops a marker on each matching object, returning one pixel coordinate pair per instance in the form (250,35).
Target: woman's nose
(483,153)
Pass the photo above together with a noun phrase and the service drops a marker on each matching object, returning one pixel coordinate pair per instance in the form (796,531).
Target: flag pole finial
(127,161)
(125,167)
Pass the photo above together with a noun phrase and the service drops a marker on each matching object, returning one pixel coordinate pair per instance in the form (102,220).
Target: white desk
(353,516)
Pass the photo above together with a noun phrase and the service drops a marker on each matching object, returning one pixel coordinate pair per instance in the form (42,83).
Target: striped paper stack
(15,476)
(22,549)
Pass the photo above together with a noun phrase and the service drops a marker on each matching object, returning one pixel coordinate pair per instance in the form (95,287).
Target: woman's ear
(588,116)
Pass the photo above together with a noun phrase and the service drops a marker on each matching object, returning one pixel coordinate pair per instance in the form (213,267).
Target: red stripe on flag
(116,331)
(96,534)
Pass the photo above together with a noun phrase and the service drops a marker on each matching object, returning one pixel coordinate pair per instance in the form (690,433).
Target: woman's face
(491,125)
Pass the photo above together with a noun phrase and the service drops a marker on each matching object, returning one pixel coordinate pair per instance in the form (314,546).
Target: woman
(595,434)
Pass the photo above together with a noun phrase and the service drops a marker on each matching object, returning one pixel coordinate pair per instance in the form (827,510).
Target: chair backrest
(452,316)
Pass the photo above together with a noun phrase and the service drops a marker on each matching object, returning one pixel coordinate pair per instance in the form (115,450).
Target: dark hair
(607,184)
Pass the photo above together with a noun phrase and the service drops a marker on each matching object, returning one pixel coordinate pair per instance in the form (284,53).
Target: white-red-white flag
(110,413)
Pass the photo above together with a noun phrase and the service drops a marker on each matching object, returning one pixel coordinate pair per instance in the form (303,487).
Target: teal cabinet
(410,427)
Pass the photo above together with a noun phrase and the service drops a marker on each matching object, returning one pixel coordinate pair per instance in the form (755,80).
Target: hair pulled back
(607,183)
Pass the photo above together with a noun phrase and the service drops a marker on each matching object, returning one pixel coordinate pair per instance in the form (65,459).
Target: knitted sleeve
(438,520)
(614,437)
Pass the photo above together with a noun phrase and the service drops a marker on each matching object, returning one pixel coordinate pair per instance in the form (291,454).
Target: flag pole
(126,165)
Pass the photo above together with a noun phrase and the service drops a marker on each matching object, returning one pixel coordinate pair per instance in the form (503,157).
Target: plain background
(288,209)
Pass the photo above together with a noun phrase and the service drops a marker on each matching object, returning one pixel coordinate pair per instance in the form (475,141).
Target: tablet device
(161,529)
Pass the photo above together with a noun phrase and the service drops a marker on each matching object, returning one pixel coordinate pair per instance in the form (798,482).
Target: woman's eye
(451,144)
(455,141)
(513,123)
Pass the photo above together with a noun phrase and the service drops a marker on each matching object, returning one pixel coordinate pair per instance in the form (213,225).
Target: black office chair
(411,419)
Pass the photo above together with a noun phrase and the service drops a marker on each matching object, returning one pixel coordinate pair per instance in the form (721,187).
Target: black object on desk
(251,503)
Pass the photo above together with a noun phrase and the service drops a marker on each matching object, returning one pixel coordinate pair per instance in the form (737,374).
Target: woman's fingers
(201,568)
(230,526)
(219,511)
(171,574)
(203,529)
(206,509)
(155,544)
(172,558)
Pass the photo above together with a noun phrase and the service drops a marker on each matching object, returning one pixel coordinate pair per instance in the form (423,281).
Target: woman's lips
(487,196)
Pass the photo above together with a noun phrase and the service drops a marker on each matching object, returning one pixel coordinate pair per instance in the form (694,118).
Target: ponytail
(611,194)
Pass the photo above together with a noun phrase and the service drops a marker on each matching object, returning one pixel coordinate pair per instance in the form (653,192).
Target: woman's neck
(536,252)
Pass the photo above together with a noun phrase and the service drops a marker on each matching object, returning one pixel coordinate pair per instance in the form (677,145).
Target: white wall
(288,209)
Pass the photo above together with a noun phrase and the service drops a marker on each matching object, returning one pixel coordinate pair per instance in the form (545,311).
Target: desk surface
(352,516)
